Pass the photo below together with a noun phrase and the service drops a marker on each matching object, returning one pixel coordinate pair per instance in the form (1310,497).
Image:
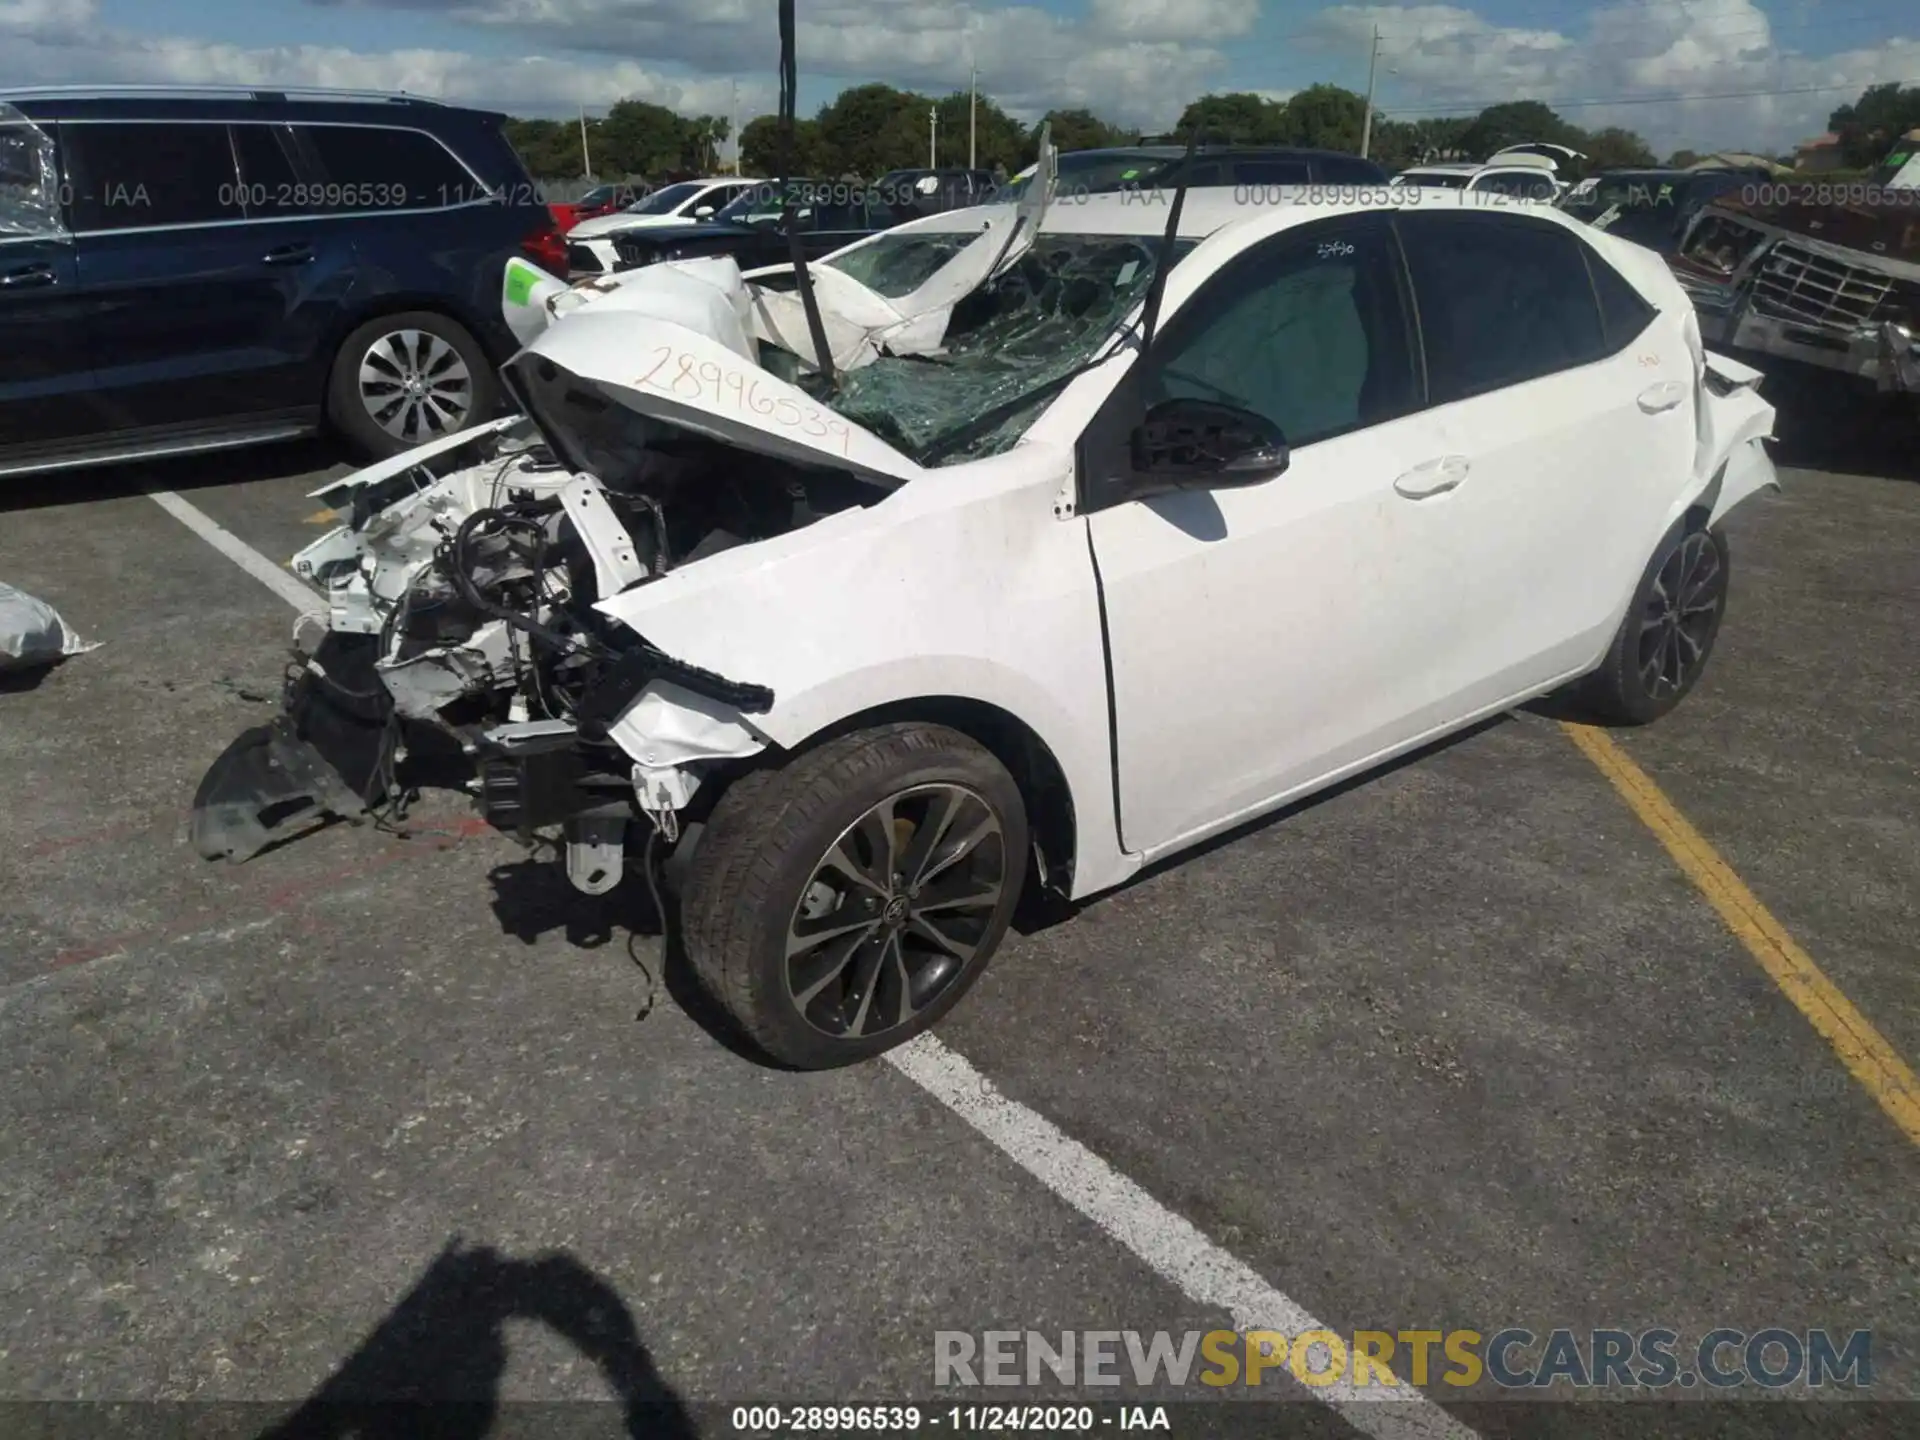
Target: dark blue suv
(186,269)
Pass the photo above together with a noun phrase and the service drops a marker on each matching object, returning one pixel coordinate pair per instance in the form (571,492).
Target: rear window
(1624,311)
(1501,299)
(269,176)
(1350,170)
(379,167)
(1271,172)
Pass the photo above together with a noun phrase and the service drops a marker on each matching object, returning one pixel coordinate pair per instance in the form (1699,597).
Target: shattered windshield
(668,200)
(1036,324)
(763,204)
(29,179)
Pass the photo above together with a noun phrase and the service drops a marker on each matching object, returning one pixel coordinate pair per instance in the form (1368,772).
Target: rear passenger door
(203,308)
(427,233)
(1564,397)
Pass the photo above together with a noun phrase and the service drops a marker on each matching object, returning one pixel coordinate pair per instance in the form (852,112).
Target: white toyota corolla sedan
(1019,548)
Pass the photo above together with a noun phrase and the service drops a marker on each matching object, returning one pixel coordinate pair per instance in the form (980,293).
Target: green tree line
(869,129)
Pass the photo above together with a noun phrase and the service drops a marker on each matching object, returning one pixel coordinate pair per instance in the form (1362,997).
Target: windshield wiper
(803,280)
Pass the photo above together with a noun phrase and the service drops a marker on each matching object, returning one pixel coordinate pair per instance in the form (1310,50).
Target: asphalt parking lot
(1459,1046)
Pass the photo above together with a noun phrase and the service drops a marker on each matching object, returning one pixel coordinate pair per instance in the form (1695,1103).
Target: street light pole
(933,136)
(973,114)
(1373,61)
(586,159)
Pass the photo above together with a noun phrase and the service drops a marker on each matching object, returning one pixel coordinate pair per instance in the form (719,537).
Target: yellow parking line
(1861,1048)
(322,517)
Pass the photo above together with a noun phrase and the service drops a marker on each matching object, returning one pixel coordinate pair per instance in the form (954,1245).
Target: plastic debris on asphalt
(33,634)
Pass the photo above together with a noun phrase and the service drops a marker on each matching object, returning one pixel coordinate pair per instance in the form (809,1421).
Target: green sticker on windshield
(1128,174)
(521,278)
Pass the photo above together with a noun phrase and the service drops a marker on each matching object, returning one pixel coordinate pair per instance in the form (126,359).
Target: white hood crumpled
(696,361)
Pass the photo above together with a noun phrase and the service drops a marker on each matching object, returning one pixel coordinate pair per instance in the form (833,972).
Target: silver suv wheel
(415,386)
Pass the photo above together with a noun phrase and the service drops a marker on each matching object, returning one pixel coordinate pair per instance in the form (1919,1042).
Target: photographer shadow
(431,1370)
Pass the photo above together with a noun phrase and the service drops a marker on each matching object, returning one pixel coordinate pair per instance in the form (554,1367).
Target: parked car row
(830,214)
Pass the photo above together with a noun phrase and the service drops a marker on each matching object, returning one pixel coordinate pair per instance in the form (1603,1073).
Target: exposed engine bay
(461,647)
(467,637)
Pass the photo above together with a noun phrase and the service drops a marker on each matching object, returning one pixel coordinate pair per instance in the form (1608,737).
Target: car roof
(348,107)
(1176,152)
(1205,211)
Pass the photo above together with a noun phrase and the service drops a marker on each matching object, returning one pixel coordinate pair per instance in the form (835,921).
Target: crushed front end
(459,646)
(1833,287)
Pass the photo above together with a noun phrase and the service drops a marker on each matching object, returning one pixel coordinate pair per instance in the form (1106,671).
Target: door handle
(288,255)
(1664,396)
(1435,477)
(27,277)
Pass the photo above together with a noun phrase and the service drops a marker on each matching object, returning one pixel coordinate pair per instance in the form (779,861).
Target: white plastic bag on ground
(32,632)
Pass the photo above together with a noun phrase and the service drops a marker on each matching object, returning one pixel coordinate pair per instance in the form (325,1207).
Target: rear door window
(1346,170)
(125,175)
(1271,172)
(382,167)
(1501,299)
(270,178)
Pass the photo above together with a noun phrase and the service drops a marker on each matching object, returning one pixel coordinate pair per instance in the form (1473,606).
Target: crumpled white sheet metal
(33,634)
(710,297)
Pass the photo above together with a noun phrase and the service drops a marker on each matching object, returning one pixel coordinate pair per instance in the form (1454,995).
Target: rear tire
(401,380)
(830,935)
(1668,632)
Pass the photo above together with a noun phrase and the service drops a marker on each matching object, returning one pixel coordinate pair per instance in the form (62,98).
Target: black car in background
(827,215)
(198,268)
(914,193)
(1652,207)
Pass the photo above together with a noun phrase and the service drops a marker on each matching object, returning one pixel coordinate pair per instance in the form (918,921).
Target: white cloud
(54,53)
(1450,60)
(1133,61)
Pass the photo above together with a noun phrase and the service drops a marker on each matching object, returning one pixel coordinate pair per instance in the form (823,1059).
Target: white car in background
(1085,544)
(681,203)
(1511,174)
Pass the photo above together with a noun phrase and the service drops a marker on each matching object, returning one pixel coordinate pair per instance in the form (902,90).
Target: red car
(604,200)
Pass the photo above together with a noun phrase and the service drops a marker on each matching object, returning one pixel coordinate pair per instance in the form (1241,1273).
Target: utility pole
(733,122)
(973,117)
(586,159)
(933,137)
(1373,61)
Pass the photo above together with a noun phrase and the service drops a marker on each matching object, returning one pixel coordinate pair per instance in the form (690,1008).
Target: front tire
(402,380)
(847,901)
(1667,636)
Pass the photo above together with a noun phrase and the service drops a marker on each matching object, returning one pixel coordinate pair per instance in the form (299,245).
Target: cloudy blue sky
(1776,71)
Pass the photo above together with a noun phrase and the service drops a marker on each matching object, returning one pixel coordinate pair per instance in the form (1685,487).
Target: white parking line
(283,583)
(1168,1244)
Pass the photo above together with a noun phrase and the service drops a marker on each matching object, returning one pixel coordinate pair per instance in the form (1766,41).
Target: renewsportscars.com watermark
(1772,1359)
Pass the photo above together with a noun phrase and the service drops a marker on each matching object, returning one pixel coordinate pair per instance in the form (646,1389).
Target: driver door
(1262,638)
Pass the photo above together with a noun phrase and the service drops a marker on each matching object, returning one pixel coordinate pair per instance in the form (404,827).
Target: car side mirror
(1202,445)
(703,212)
